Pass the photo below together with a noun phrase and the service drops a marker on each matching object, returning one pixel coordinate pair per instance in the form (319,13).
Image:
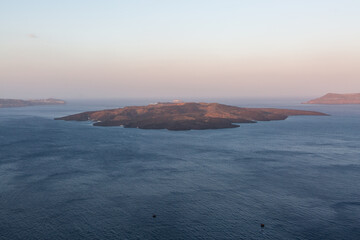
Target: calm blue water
(70,180)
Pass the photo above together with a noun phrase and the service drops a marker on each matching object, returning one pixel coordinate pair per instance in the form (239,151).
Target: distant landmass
(9,103)
(336,98)
(184,116)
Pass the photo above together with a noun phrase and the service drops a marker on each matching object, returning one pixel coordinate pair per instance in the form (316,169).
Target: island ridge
(336,98)
(8,103)
(184,116)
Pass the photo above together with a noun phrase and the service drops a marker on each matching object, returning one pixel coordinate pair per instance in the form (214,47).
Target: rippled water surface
(69,180)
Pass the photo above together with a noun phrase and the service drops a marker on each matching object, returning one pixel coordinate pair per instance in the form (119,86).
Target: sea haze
(69,180)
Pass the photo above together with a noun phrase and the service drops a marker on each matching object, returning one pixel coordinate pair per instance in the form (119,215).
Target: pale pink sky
(184,49)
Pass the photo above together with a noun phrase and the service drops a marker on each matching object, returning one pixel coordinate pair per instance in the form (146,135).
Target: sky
(178,49)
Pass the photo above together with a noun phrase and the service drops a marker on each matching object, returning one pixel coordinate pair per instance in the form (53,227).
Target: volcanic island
(10,103)
(184,116)
(337,98)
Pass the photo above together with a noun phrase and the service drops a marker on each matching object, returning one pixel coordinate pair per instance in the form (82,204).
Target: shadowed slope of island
(8,103)
(335,98)
(184,116)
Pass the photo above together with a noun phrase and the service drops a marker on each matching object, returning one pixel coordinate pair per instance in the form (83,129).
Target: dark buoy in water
(262,225)
(154,215)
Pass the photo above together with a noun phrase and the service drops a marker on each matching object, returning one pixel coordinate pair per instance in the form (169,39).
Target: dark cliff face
(335,98)
(184,116)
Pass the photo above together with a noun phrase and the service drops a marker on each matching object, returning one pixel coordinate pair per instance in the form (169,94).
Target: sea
(70,180)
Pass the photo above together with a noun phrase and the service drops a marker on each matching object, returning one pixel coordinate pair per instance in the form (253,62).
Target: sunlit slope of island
(336,98)
(184,116)
(8,103)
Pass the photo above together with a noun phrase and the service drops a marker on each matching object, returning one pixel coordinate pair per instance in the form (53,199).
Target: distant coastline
(336,98)
(11,103)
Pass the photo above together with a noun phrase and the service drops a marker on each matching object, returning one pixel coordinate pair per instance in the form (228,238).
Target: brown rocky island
(336,98)
(9,103)
(184,116)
